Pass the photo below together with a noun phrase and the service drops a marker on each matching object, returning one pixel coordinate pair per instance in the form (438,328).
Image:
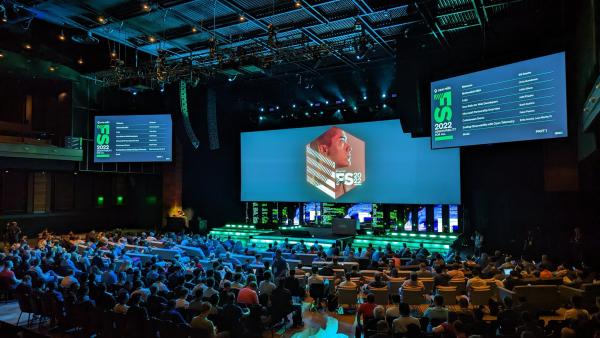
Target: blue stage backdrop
(347,163)
(521,101)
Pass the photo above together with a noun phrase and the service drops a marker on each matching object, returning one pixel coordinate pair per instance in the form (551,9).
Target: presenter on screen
(333,144)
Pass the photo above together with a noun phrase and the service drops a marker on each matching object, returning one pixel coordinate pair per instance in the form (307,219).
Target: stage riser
(248,235)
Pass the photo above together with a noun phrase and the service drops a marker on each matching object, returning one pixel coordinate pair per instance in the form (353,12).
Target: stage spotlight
(294,105)
(232,78)
(242,18)
(162,87)
(134,93)
(62,36)
(146,7)
(80,61)
(27,46)
(152,39)
(260,118)
(1,55)
(194,29)
(383,96)
(384,105)
(297,3)
(52,68)
(277,107)
(312,104)
(326,102)
(306,113)
(344,100)
(365,98)
(354,108)
(261,109)
(102,19)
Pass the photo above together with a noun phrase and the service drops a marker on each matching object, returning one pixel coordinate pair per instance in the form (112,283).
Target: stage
(249,234)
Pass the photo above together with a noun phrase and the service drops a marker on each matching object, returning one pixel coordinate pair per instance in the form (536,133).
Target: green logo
(443,111)
(103,136)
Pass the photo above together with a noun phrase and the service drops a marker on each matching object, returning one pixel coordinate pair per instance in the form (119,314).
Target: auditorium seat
(412,296)
(449,293)
(461,285)
(381,295)
(481,295)
(542,297)
(347,296)
(394,287)
(428,282)
(588,292)
(24,307)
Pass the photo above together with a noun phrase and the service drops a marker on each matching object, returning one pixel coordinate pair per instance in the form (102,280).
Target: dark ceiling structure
(169,40)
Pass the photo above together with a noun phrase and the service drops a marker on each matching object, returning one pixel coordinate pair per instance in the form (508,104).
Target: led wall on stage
(347,163)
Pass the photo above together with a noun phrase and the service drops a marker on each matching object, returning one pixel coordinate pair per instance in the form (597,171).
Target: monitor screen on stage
(133,138)
(521,101)
(371,162)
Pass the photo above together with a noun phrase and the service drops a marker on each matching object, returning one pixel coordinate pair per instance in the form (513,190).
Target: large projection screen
(521,101)
(348,163)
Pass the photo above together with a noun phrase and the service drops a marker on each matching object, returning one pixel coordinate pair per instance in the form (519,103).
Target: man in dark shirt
(282,305)
(171,314)
(377,282)
(440,278)
(508,319)
(136,314)
(326,271)
(279,265)
(529,325)
(231,316)
(292,284)
(156,303)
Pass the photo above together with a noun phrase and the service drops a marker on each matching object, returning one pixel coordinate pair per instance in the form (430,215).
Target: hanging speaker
(211,119)
(186,116)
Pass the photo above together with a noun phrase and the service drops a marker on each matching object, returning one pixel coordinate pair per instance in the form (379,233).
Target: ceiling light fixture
(62,36)
(194,29)
(152,39)
(242,18)
(298,4)
(27,46)
(146,7)
(80,61)
(101,19)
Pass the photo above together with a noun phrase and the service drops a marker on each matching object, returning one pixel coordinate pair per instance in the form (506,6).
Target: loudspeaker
(186,115)
(211,119)
(413,93)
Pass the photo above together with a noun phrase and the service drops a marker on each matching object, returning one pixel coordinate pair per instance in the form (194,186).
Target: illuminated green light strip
(444,138)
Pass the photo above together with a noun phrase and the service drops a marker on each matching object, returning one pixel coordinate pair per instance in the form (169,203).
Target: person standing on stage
(477,238)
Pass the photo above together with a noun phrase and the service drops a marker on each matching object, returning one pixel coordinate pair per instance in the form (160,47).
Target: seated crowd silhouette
(177,285)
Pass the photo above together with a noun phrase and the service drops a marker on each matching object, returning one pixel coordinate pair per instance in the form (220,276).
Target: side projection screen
(133,138)
(372,162)
(517,102)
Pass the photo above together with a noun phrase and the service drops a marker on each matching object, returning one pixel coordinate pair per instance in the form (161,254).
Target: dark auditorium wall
(60,195)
